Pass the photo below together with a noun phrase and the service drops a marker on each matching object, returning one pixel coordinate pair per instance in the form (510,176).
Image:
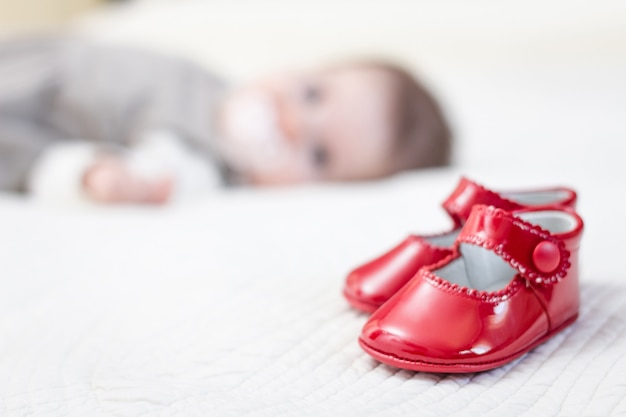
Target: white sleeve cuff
(161,152)
(58,173)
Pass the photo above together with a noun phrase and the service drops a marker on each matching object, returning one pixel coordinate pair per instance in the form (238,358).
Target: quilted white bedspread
(232,306)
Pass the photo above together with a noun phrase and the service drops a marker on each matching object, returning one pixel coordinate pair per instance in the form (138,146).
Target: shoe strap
(468,194)
(537,255)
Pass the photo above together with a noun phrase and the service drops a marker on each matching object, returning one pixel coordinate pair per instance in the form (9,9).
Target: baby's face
(330,125)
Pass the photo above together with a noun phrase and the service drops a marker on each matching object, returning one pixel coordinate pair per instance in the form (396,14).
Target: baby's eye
(312,94)
(319,156)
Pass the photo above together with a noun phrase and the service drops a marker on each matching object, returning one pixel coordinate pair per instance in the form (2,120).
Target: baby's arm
(158,169)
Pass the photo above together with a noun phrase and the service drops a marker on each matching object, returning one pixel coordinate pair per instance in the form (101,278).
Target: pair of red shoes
(502,281)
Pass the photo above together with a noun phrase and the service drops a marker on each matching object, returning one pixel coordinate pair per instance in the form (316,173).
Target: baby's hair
(421,132)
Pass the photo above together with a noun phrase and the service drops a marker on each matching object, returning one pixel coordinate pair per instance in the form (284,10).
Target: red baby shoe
(511,285)
(370,285)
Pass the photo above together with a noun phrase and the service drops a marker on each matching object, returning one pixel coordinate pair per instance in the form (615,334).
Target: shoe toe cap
(362,286)
(384,342)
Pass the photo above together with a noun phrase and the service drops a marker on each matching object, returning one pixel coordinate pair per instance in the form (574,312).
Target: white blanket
(233,306)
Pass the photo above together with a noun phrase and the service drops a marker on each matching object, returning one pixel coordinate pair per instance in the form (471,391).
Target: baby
(115,125)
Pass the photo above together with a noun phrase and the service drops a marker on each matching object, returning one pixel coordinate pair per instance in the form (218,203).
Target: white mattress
(231,305)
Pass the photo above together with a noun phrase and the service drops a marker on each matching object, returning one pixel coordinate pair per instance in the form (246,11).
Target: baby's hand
(109,180)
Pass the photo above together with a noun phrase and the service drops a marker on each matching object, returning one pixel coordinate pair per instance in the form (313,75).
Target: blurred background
(530,76)
(28,15)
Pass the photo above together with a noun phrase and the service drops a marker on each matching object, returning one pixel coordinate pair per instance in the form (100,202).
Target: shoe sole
(460,367)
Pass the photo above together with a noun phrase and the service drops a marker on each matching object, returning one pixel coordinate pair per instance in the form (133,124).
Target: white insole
(444,240)
(537,198)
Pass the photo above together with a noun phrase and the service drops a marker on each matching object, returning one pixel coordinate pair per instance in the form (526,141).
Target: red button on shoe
(546,257)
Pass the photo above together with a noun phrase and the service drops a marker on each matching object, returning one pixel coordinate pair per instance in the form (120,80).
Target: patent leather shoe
(511,284)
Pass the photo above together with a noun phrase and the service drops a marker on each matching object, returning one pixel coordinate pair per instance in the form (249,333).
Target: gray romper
(54,90)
